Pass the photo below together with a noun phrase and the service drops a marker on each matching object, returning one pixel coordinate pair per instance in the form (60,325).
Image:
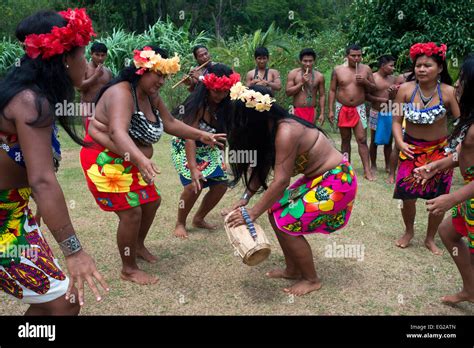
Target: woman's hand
(424,173)
(148,169)
(213,139)
(240,203)
(196,177)
(81,268)
(440,204)
(407,150)
(236,219)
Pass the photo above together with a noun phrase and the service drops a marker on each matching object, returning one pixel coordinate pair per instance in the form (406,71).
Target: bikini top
(141,129)
(15,153)
(206,127)
(265,76)
(424,116)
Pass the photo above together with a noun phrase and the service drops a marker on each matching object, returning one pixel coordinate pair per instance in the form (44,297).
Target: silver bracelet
(245,196)
(70,245)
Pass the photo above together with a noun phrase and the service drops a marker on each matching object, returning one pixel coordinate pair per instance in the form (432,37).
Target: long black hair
(444,75)
(252,130)
(196,103)
(47,78)
(129,73)
(466,101)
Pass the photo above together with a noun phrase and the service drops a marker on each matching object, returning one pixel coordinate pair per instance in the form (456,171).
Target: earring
(67,66)
(439,79)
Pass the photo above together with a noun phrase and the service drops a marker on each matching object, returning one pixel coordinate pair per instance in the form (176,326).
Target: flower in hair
(428,49)
(251,98)
(220,83)
(77,32)
(147,59)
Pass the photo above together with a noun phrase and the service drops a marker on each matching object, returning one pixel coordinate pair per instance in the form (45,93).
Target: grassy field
(202,276)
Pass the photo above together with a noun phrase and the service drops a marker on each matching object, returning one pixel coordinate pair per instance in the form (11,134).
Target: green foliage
(391,27)
(120,44)
(9,53)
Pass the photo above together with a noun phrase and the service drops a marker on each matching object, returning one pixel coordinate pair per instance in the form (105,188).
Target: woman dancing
(131,117)
(461,222)
(320,201)
(53,64)
(423,103)
(199,165)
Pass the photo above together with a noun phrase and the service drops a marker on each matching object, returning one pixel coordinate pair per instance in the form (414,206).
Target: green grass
(201,276)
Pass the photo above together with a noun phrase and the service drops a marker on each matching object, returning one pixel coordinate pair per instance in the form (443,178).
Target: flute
(188,76)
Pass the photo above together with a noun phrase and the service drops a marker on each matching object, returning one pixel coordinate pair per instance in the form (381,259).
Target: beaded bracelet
(249,222)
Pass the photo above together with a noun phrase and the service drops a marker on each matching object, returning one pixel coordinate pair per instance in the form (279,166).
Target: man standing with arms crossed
(262,75)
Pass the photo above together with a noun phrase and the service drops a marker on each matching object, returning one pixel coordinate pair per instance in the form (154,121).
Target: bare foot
(404,241)
(368,175)
(201,223)
(459,297)
(430,244)
(373,170)
(303,287)
(144,253)
(180,231)
(282,273)
(390,180)
(138,276)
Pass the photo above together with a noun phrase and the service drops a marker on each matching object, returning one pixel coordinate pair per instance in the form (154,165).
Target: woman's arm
(180,129)
(36,145)
(284,164)
(397,121)
(453,104)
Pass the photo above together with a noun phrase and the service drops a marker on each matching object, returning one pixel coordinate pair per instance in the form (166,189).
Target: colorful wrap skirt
(321,204)
(28,269)
(116,184)
(425,152)
(209,161)
(463,213)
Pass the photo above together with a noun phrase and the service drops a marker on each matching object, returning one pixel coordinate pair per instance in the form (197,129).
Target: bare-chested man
(349,84)
(202,55)
(304,84)
(262,75)
(96,77)
(385,90)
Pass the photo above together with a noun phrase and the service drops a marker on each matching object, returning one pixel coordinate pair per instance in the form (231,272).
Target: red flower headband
(223,83)
(78,32)
(427,49)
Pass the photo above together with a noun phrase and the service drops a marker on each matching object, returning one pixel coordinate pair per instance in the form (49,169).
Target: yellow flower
(140,180)
(165,66)
(264,102)
(112,178)
(237,91)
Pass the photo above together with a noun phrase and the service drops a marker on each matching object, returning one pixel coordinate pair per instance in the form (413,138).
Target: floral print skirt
(425,152)
(321,204)
(28,269)
(116,184)
(463,213)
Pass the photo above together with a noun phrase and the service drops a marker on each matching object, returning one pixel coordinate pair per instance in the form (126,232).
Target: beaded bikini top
(427,115)
(141,129)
